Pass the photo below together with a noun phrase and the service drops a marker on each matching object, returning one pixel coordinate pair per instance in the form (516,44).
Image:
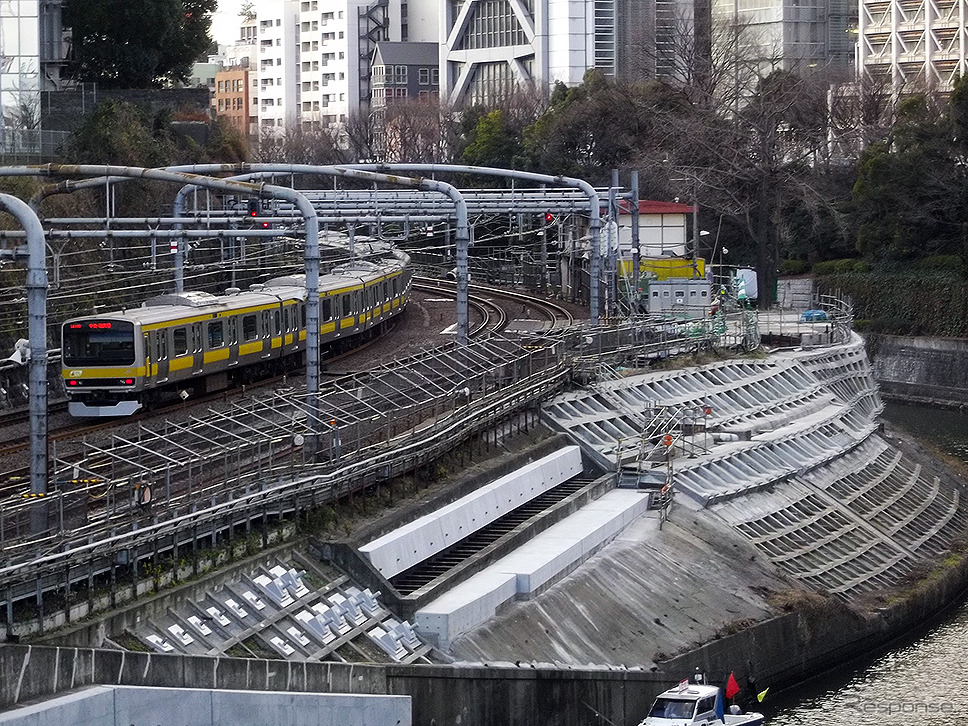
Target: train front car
(103,365)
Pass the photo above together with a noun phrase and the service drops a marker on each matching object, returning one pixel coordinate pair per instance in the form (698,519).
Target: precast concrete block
(92,707)
(557,557)
(471,603)
(405,547)
(458,522)
(144,706)
(359,710)
(485,508)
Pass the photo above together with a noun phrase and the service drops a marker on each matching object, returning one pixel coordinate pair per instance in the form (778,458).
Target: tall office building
(494,46)
(30,43)
(916,46)
(800,36)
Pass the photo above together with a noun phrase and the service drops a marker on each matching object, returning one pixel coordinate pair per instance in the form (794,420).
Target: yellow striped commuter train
(196,342)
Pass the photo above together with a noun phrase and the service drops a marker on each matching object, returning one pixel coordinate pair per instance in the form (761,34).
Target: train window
(216,334)
(161,352)
(250,328)
(302,315)
(98,343)
(233,336)
(277,322)
(179,341)
(327,309)
(265,324)
(347,305)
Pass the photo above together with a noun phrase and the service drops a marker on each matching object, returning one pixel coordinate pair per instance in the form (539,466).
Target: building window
(423,75)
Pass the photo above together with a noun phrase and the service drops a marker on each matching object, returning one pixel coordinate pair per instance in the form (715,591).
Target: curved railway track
(495,316)
(85,492)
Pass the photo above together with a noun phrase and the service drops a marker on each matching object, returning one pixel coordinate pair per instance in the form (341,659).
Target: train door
(157,349)
(232,339)
(198,353)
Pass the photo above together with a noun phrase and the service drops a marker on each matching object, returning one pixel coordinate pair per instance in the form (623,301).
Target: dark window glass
(98,342)
(216,335)
(250,328)
(179,338)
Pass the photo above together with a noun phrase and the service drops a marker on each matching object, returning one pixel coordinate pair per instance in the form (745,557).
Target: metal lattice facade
(918,45)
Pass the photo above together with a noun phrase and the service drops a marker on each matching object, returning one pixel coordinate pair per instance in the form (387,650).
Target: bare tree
(306,144)
(750,147)
(416,130)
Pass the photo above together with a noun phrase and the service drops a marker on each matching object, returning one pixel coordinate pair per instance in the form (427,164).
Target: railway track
(484,297)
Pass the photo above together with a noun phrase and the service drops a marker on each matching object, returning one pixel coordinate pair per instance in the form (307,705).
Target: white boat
(693,704)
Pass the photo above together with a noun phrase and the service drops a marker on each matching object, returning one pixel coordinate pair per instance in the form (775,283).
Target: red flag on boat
(732,687)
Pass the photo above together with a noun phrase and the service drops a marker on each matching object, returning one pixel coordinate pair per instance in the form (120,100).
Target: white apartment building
(313,56)
(277,99)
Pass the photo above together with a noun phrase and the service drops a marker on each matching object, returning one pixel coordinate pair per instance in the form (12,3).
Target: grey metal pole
(37,330)
(695,238)
(636,251)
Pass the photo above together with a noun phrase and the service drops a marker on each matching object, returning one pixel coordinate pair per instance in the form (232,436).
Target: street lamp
(722,251)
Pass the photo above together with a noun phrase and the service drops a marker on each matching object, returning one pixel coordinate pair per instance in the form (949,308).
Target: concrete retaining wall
(778,652)
(30,673)
(132,706)
(531,568)
(927,370)
(66,110)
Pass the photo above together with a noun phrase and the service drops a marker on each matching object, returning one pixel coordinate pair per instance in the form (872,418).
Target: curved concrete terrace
(785,486)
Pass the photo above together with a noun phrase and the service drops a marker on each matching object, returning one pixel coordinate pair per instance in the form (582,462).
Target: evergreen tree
(137,43)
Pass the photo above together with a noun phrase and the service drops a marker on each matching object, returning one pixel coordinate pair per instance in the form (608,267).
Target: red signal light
(549,217)
(265,225)
(72,383)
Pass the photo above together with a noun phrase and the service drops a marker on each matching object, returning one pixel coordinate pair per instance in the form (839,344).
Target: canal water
(922,682)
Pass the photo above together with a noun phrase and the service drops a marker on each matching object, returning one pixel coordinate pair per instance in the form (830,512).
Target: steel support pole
(636,251)
(37,327)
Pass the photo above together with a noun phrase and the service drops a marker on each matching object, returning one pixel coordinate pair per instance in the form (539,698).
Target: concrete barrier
(412,543)
(137,706)
(531,568)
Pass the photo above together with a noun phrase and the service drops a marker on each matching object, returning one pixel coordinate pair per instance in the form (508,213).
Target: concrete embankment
(801,537)
(932,371)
